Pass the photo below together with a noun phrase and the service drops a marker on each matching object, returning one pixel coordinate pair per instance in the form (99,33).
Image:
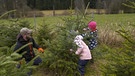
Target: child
(91,36)
(84,52)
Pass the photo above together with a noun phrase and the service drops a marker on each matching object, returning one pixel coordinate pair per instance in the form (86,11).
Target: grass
(106,24)
(101,19)
(67,12)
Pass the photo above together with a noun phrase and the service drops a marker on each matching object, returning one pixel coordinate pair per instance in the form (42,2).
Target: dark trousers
(37,61)
(82,64)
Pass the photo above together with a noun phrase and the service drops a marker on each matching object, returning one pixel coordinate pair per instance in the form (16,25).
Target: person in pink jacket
(84,52)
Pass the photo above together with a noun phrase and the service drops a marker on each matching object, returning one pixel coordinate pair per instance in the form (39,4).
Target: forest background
(27,8)
(54,23)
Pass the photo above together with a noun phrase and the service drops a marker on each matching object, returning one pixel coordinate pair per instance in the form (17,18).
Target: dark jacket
(29,55)
(91,39)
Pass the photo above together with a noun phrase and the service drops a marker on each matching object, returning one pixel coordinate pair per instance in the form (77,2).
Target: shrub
(10,30)
(9,65)
(120,61)
(59,60)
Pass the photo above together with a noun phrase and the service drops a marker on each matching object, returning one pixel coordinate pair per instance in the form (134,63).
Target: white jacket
(82,50)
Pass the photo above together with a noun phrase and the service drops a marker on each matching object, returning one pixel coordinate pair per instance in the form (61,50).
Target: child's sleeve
(79,50)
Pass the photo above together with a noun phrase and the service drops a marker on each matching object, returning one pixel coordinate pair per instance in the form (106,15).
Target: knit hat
(25,31)
(78,40)
(92,25)
(78,37)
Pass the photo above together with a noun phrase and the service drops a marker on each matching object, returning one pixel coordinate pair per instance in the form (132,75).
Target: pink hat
(92,25)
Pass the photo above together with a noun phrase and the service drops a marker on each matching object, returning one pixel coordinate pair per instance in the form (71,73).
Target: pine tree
(58,42)
(8,64)
(120,61)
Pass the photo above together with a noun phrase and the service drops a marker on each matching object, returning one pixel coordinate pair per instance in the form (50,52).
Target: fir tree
(120,61)
(59,41)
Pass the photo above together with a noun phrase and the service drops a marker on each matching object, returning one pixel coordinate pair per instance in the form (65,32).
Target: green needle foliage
(120,61)
(8,65)
(58,41)
(130,4)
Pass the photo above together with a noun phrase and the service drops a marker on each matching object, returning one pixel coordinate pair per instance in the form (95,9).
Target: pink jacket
(83,50)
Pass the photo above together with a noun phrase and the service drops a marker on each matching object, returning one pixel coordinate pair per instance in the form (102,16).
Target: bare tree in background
(6,5)
(113,6)
(2,6)
(79,6)
(19,5)
(99,6)
(53,7)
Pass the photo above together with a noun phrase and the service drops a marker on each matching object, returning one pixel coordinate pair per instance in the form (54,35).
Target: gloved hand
(71,50)
(41,50)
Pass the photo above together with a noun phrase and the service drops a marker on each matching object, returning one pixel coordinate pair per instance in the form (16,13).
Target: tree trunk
(79,6)
(53,7)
